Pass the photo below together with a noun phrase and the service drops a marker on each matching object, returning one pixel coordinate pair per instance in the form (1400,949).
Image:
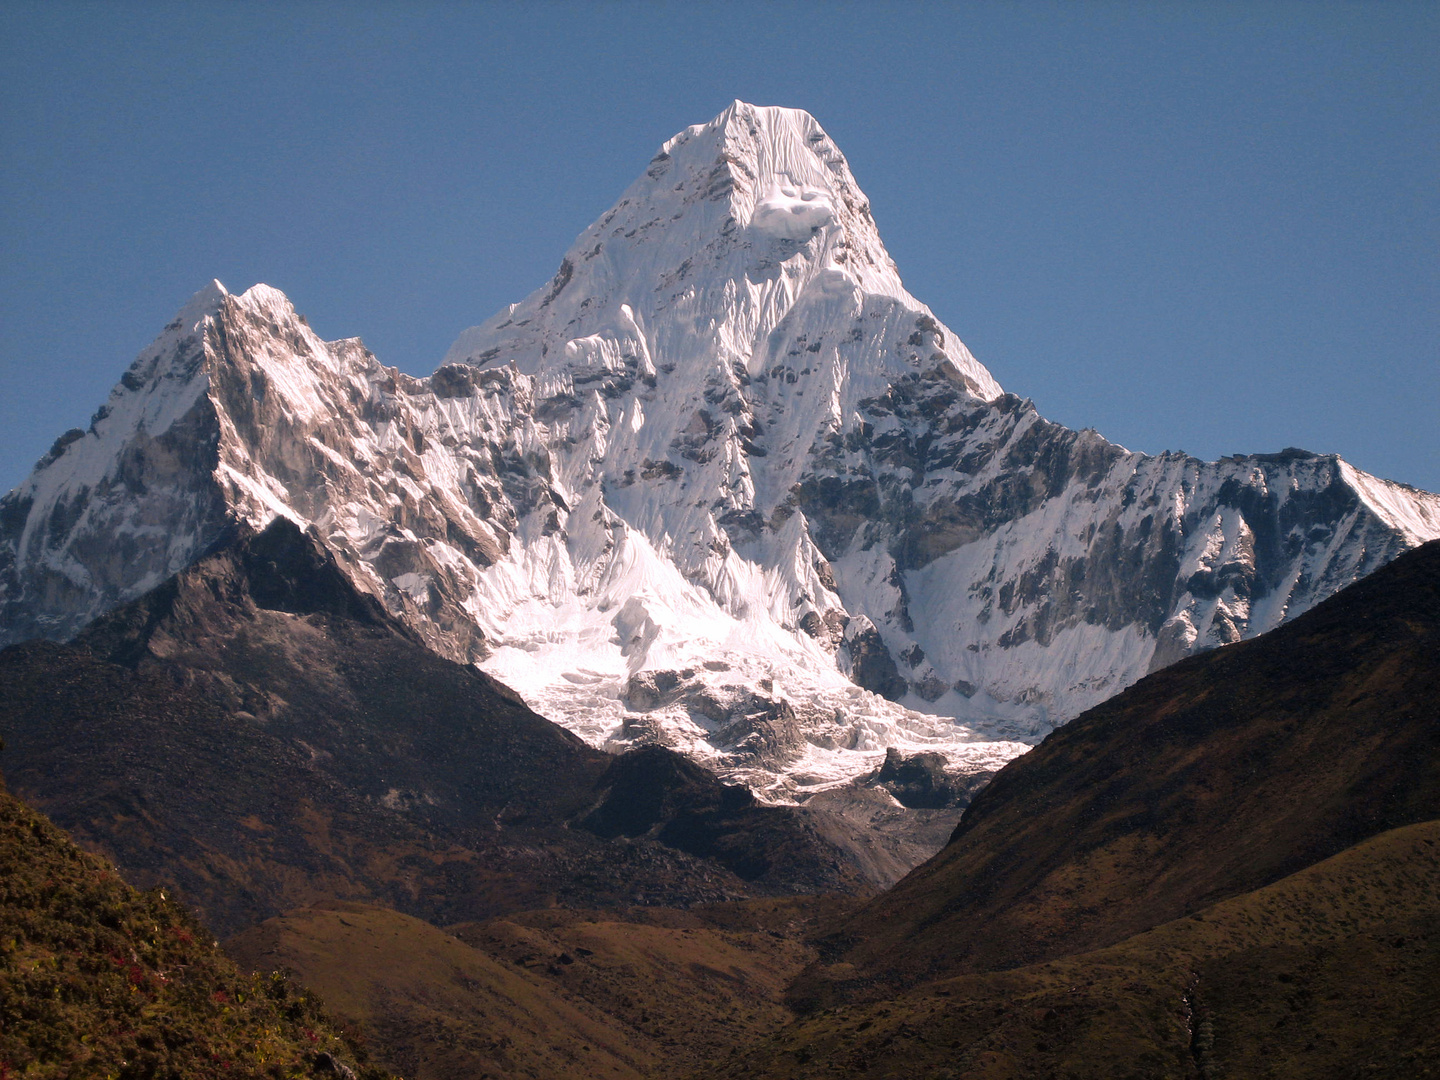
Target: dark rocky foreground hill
(263,736)
(1329,972)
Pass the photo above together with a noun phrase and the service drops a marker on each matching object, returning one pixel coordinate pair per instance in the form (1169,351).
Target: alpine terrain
(1231,869)
(721,484)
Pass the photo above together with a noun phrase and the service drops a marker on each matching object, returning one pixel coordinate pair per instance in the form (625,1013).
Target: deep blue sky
(1206,227)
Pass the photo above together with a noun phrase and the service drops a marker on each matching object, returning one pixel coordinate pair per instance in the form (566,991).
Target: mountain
(721,484)
(260,735)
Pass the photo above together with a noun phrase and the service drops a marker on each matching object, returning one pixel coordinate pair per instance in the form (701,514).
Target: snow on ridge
(706,250)
(160,388)
(1413,512)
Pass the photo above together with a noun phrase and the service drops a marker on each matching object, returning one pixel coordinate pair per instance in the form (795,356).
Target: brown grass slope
(1328,973)
(97,979)
(646,993)
(262,735)
(1205,780)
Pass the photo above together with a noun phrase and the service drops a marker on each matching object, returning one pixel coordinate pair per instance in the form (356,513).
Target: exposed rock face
(722,484)
(921,781)
(654,792)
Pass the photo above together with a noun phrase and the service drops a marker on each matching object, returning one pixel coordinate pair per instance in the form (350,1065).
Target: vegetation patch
(100,980)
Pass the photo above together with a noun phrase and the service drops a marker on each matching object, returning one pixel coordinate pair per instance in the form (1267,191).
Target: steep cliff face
(1018,569)
(722,483)
(113,511)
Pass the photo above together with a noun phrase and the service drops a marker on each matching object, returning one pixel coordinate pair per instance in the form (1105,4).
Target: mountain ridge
(729,488)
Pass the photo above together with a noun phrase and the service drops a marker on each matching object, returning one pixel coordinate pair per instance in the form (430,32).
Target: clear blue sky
(1207,227)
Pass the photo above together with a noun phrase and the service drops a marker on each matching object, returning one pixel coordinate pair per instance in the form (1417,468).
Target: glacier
(721,483)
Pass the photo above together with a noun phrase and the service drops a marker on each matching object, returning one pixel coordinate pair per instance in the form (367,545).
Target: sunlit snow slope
(722,483)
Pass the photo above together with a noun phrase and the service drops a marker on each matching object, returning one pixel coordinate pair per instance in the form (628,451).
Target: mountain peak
(784,177)
(205,302)
(714,481)
(741,234)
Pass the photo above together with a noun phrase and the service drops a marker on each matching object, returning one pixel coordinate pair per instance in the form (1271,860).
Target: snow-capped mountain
(721,483)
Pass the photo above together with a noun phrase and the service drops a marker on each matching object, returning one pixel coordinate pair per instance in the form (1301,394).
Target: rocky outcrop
(923,782)
(651,792)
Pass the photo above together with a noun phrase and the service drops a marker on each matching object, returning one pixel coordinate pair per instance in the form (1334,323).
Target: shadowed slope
(1329,972)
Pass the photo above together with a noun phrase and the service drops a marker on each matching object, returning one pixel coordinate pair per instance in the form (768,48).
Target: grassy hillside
(99,980)
(647,993)
(1330,972)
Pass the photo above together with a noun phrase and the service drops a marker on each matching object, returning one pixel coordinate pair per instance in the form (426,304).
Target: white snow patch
(792,212)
